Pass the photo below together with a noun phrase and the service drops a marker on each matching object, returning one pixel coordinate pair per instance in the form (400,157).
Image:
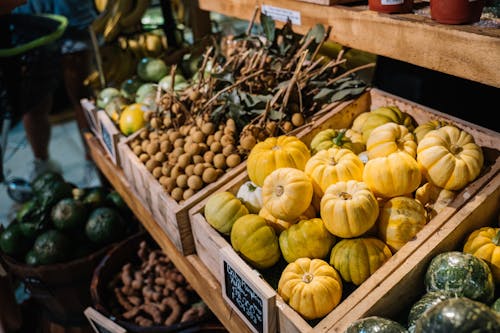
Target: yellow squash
(393,175)
(222,210)
(306,239)
(400,220)
(390,138)
(333,165)
(357,259)
(484,243)
(383,115)
(349,209)
(313,288)
(287,193)
(434,198)
(449,158)
(340,138)
(274,153)
(428,126)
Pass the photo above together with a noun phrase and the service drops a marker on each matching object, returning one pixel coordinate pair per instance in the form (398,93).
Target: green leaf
(269,27)
(276,115)
(317,32)
(342,94)
(323,94)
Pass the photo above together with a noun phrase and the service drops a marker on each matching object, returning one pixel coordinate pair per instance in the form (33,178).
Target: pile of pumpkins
(338,210)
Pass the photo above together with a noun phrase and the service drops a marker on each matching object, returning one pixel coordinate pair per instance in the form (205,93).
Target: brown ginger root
(153,311)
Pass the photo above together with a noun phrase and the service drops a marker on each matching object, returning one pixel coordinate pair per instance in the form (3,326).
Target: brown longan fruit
(179,142)
(144,157)
(177,194)
(160,157)
(184,160)
(163,180)
(228,150)
(157,172)
(189,170)
(188,193)
(145,145)
(198,169)
(198,136)
(216,147)
(181,181)
(153,148)
(209,175)
(166,169)
(167,121)
(229,131)
(248,142)
(144,134)
(169,184)
(210,139)
(220,161)
(194,182)
(193,129)
(207,128)
(176,171)
(298,119)
(203,148)
(233,160)
(166,146)
(227,140)
(231,124)
(197,159)
(177,152)
(151,164)
(218,135)
(137,150)
(287,126)
(153,135)
(193,148)
(208,156)
(174,135)
(184,129)
(154,122)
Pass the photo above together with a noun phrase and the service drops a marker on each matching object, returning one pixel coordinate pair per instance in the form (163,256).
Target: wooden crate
(209,242)
(406,284)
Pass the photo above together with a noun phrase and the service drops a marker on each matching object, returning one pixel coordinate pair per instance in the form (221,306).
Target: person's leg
(37,126)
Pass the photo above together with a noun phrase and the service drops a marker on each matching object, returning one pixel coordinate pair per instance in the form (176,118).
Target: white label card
(391,2)
(281,14)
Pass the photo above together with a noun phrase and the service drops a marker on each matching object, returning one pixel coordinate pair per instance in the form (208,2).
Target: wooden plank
(467,51)
(402,288)
(191,267)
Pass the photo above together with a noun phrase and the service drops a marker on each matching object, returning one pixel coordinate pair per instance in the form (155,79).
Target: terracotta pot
(391,6)
(456,11)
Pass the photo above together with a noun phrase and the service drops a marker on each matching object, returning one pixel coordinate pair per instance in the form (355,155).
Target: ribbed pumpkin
(340,138)
(390,138)
(306,239)
(393,175)
(357,259)
(428,126)
(449,158)
(274,153)
(426,302)
(255,241)
(400,220)
(251,195)
(484,243)
(434,198)
(462,273)
(311,287)
(375,324)
(383,115)
(349,209)
(359,121)
(222,210)
(287,193)
(330,166)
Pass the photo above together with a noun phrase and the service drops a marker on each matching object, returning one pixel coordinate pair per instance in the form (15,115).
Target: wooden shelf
(467,51)
(191,266)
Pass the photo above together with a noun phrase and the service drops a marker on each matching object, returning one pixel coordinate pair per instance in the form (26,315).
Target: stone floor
(66,147)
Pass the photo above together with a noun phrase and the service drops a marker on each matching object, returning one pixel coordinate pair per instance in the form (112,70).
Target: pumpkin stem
(307,277)
(339,138)
(251,187)
(496,240)
(279,190)
(455,149)
(345,196)
(276,148)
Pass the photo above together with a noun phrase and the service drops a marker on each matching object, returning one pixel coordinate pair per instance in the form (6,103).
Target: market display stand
(467,51)
(191,267)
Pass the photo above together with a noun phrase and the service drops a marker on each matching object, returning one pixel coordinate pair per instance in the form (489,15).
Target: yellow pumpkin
(313,288)
(428,126)
(333,165)
(383,115)
(287,193)
(359,121)
(390,138)
(342,138)
(273,153)
(349,209)
(357,259)
(400,220)
(222,210)
(306,239)
(255,241)
(484,243)
(434,198)
(393,175)
(450,158)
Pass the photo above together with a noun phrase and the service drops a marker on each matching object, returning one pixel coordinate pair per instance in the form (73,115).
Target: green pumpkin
(342,138)
(222,210)
(255,241)
(461,273)
(307,238)
(426,302)
(375,324)
(458,315)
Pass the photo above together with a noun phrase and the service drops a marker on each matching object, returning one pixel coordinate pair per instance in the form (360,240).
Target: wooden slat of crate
(291,321)
(402,288)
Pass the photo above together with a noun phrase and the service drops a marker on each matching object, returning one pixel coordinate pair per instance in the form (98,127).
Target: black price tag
(247,293)
(109,135)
